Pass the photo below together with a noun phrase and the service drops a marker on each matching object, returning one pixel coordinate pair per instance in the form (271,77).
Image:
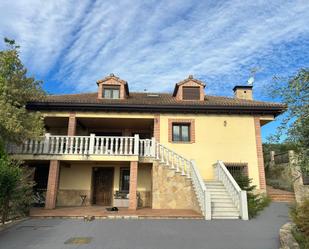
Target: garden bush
(300,216)
(256,202)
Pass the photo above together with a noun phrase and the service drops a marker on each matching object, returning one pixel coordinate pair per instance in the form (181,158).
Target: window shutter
(191,93)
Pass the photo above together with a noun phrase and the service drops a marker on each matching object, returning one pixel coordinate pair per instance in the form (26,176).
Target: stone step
(215,199)
(224,209)
(283,198)
(217,190)
(213,183)
(219,194)
(225,217)
(222,204)
(280,195)
(221,197)
(215,187)
(225,214)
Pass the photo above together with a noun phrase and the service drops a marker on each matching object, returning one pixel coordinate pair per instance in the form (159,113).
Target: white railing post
(46,143)
(153,147)
(91,143)
(244,205)
(136,144)
(207,205)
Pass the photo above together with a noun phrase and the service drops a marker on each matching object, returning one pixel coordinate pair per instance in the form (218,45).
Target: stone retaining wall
(171,190)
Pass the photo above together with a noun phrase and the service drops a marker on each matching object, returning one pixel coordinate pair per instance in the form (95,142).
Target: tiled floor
(99,211)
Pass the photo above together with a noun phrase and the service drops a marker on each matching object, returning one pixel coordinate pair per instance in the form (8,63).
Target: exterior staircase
(278,195)
(218,199)
(222,205)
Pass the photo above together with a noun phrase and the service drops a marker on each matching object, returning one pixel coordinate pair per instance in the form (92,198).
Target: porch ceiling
(56,122)
(116,123)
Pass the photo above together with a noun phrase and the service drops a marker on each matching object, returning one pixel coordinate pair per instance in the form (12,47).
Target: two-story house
(175,150)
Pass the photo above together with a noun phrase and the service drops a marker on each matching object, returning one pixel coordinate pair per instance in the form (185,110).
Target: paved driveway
(260,233)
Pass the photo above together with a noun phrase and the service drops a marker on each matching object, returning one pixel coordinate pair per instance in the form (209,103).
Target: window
(111,92)
(181,132)
(237,169)
(124,180)
(191,93)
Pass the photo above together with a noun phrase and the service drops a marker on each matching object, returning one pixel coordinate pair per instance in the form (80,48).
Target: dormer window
(189,89)
(112,87)
(191,93)
(111,92)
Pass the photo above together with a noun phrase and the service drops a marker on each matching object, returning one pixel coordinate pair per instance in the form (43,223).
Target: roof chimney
(243,92)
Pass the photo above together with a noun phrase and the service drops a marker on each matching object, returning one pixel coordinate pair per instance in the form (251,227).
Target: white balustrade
(79,145)
(239,196)
(203,195)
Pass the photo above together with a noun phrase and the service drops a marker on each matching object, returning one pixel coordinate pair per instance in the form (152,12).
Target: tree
(16,89)
(16,125)
(294,92)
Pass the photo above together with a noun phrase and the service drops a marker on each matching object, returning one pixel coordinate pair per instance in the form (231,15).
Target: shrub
(256,202)
(280,184)
(300,216)
(301,239)
(15,188)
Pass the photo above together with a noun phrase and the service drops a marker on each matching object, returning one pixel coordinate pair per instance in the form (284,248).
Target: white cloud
(153,44)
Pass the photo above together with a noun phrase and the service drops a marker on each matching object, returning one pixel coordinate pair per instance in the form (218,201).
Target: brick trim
(52,184)
(72,125)
(133,185)
(184,121)
(156,127)
(259,150)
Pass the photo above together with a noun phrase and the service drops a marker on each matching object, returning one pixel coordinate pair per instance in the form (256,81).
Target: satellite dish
(250,81)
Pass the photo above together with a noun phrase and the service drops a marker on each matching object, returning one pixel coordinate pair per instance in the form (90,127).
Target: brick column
(133,185)
(156,128)
(52,185)
(72,125)
(259,150)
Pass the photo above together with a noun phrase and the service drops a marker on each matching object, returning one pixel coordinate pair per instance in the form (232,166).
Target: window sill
(180,142)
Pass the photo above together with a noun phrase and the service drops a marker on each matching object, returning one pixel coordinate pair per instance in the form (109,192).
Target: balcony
(108,148)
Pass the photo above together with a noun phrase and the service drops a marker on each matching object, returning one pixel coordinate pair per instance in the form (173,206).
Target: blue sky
(70,44)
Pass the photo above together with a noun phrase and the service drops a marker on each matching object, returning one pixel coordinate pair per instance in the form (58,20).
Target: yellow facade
(78,176)
(230,138)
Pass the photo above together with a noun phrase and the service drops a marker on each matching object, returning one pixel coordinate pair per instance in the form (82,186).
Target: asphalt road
(259,233)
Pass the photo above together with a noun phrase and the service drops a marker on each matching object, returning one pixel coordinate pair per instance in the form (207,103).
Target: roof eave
(273,110)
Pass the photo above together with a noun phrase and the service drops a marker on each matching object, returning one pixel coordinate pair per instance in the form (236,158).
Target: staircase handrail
(238,195)
(203,194)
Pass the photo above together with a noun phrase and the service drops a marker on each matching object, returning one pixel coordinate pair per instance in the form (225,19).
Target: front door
(103,186)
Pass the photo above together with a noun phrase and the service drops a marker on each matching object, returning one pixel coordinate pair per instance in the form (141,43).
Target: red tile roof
(157,99)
